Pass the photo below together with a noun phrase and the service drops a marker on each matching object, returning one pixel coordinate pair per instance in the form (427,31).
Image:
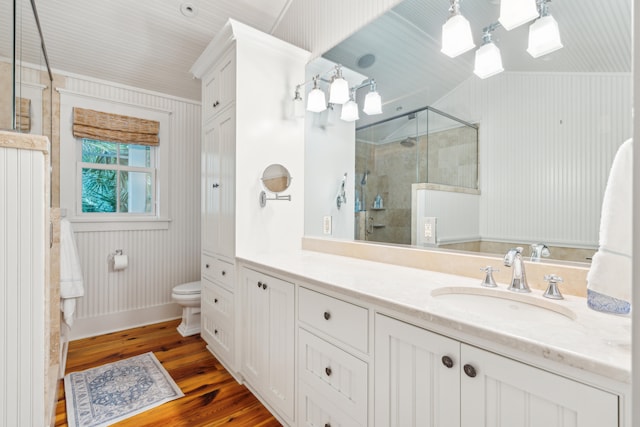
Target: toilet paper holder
(118,260)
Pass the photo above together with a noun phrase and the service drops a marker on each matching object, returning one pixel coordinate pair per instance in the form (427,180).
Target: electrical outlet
(430,230)
(326,225)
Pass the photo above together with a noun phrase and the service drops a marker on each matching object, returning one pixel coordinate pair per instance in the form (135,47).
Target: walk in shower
(426,146)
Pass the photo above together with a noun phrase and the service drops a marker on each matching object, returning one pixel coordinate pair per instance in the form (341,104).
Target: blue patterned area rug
(113,392)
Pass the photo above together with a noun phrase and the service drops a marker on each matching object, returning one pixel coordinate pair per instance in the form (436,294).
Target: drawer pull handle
(215,301)
(327,315)
(328,371)
(327,425)
(215,104)
(259,284)
(215,331)
(470,371)
(224,273)
(206,266)
(447,361)
(264,286)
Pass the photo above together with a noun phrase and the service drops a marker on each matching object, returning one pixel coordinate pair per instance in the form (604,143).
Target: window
(117,178)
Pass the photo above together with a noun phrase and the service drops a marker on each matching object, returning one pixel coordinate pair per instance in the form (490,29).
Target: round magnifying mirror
(276,178)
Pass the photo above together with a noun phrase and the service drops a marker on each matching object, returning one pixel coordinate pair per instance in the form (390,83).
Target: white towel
(610,272)
(71,283)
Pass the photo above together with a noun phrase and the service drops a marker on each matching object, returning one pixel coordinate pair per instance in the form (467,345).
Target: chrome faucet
(513,258)
(539,250)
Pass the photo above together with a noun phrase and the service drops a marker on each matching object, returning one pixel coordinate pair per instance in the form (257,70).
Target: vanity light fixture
(339,89)
(544,35)
(349,111)
(316,101)
(372,102)
(514,13)
(488,57)
(456,33)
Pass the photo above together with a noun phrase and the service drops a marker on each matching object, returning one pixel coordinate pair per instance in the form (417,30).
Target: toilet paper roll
(120,262)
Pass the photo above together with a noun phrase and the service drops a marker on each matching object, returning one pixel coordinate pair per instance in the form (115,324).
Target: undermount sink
(504,305)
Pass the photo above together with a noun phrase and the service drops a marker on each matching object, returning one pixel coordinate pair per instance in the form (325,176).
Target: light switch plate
(326,225)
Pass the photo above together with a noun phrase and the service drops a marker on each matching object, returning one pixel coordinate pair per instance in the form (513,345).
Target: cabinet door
(268,353)
(413,386)
(218,86)
(504,392)
(218,186)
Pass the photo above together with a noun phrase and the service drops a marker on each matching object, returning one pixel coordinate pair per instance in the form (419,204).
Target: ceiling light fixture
(456,33)
(316,101)
(514,13)
(488,57)
(544,34)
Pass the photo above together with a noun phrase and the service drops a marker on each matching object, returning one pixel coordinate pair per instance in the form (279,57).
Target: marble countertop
(588,340)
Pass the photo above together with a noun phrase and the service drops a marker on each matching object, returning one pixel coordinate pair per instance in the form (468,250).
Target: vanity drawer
(219,271)
(334,373)
(316,410)
(217,302)
(341,320)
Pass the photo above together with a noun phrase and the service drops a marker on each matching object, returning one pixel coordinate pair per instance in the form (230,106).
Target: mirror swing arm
(264,198)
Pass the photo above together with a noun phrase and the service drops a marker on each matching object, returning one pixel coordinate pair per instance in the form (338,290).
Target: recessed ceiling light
(188,9)
(366,61)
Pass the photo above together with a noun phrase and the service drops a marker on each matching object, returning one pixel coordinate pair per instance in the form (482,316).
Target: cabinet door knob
(327,315)
(447,361)
(327,371)
(264,286)
(470,371)
(206,266)
(215,300)
(224,273)
(216,185)
(215,104)
(259,284)
(215,331)
(327,425)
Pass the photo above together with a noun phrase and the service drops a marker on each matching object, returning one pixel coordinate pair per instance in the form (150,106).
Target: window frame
(118,168)
(71,155)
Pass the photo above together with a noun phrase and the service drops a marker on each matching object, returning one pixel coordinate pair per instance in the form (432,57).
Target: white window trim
(69,187)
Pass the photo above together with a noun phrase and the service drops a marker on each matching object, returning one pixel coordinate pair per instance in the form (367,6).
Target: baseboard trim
(114,322)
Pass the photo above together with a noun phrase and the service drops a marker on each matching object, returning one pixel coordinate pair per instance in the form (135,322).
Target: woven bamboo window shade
(114,127)
(23,114)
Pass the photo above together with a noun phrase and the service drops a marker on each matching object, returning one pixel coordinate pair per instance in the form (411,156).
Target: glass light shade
(372,103)
(456,36)
(514,13)
(316,102)
(488,61)
(544,37)
(339,91)
(350,111)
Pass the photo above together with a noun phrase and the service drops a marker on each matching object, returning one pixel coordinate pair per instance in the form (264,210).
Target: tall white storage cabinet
(27,393)
(248,81)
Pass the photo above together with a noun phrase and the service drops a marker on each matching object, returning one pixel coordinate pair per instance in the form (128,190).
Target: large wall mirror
(546,131)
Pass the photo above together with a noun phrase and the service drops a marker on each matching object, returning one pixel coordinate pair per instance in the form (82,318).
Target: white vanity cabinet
(333,349)
(268,331)
(424,379)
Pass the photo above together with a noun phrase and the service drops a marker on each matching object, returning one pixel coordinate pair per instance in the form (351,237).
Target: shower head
(408,141)
(364,178)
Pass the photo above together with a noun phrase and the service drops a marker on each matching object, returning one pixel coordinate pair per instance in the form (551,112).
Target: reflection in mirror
(276,178)
(548,127)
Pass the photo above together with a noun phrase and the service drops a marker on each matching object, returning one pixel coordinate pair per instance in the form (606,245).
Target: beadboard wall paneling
(547,142)
(319,25)
(158,259)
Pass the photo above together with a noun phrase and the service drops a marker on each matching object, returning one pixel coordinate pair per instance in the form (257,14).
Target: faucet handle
(488,281)
(552,291)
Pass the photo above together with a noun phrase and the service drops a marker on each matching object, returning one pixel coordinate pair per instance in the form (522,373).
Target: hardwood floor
(212,395)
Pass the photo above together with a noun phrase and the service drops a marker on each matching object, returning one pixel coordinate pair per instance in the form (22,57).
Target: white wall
(158,258)
(546,145)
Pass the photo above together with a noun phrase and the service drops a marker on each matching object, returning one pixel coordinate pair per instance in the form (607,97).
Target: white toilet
(188,296)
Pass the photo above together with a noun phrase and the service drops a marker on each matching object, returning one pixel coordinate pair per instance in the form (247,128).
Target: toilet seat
(191,288)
